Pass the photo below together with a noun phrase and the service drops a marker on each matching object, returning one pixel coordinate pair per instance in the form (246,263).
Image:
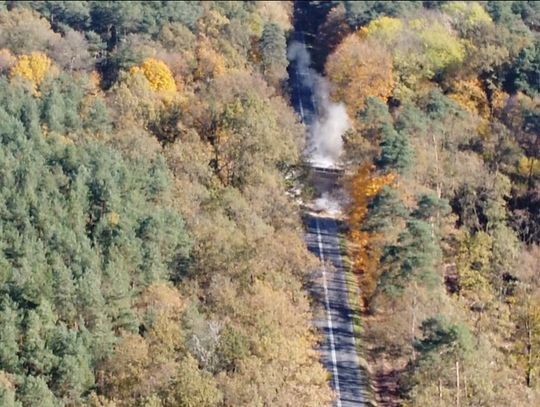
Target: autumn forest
(152,186)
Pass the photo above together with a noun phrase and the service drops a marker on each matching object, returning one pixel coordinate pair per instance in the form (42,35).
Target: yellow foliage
(470,14)
(158,75)
(499,99)
(470,95)
(385,28)
(419,49)
(210,63)
(278,12)
(33,67)
(441,47)
(529,167)
(95,82)
(113,218)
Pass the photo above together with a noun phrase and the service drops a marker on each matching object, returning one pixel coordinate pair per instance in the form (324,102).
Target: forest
(150,252)
(151,244)
(443,157)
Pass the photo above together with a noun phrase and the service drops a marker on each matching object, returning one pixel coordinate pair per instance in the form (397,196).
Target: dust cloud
(326,120)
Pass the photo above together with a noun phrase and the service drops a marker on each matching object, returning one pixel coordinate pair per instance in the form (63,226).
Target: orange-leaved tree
(359,68)
(363,187)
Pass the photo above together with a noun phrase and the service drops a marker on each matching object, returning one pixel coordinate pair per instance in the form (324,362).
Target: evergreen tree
(274,52)
(384,211)
(412,260)
(525,75)
(9,337)
(396,152)
(54,108)
(35,392)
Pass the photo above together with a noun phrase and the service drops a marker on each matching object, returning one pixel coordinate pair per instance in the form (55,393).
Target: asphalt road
(302,81)
(338,350)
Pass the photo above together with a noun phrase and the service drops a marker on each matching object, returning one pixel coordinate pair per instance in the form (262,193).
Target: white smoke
(329,120)
(328,204)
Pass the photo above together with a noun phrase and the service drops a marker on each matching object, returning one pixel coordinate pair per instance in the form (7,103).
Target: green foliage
(525,75)
(274,52)
(412,260)
(135,221)
(360,13)
(384,211)
(442,338)
(430,206)
(396,153)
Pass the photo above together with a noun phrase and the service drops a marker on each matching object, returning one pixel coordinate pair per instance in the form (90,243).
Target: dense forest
(150,251)
(444,218)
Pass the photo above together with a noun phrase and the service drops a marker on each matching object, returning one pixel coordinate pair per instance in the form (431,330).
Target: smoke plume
(326,120)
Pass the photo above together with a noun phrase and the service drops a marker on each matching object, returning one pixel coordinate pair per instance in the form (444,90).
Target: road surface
(338,350)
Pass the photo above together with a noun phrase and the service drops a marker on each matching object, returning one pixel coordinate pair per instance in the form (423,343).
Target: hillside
(443,153)
(150,254)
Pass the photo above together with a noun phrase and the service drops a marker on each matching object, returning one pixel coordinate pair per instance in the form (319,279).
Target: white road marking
(329,316)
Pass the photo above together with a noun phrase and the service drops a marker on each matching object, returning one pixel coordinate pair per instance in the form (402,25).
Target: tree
(274,53)
(384,211)
(527,317)
(420,50)
(363,188)
(360,13)
(33,67)
(443,350)
(330,34)
(359,69)
(525,73)
(73,375)
(466,16)
(158,75)
(34,391)
(9,344)
(7,391)
(362,143)
(396,153)
(36,356)
(412,260)
(193,387)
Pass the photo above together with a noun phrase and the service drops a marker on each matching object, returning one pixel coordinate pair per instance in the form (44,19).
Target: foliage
(524,75)
(274,53)
(360,69)
(33,67)
(158,75)
(363,188)
(151,254)
(448,251)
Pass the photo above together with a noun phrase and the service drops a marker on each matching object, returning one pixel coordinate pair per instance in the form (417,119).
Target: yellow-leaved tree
(158,75)
(469,94)
(33,67)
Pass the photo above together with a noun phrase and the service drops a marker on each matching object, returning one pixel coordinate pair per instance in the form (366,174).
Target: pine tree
(54,108)
(274,52)
(396,153)
(9,337)
(36,356)
(35,392)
